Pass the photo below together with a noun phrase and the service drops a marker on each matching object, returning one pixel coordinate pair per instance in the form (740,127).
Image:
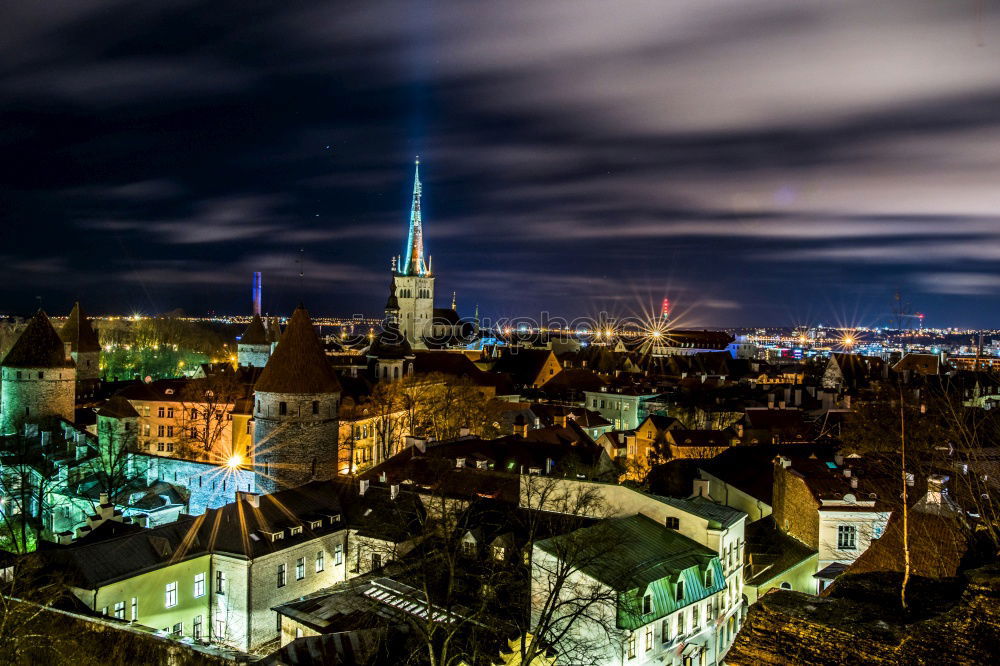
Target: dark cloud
(764,162)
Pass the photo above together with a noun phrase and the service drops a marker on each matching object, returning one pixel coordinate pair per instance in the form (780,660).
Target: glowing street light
(235,461)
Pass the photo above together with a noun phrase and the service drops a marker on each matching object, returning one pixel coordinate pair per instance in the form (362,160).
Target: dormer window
(647,604)
(169,391)
(673,523)
(315,524)
(708,578)
(295,530)
(679,592)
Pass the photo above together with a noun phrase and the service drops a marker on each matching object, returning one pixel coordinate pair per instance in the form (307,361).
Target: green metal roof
(629,553)
(719,516)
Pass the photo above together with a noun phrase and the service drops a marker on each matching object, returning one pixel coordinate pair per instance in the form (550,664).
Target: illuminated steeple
(413,263)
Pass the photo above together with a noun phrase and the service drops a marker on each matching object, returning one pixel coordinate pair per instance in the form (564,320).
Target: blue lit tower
(411,294)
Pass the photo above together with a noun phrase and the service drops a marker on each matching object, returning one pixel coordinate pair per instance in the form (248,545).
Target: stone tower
(254,348)
(38,384)
(411,294)
(85,350)
(295,411)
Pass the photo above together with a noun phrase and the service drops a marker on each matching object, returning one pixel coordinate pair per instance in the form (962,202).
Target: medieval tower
(411,294)
(253,348)
(295,415)
(85,351)
(38,385)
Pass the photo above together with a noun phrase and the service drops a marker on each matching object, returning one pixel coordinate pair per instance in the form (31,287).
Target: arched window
(395,372)
(786,585)
(282,408)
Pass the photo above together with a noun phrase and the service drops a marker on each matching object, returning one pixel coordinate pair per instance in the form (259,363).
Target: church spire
(414,262)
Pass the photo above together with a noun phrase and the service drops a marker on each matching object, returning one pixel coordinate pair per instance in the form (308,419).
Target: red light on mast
(666,308)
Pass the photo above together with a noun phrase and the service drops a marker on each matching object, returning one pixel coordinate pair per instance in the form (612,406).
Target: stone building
(85,350)
(296,402)
(38,379)
(254,347)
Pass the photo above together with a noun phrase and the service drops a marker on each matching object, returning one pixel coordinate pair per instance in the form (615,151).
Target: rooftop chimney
(363,487)
(854,482)
(253,499)
(394,491)
(381,477)
(702,487)
(784,461)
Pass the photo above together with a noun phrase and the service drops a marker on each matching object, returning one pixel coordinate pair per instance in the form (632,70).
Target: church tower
(295,411)
(38,379)
(411,295)
(85,351)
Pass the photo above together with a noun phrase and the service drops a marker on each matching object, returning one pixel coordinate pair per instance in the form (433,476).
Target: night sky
(760,163)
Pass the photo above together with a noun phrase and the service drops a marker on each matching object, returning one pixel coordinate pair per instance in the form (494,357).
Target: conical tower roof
(39,346)
(79,333)
(255,333)
(298,364)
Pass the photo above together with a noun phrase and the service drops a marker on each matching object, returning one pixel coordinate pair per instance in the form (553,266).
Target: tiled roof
(298,364)
(239,529)
(38,346)
(117,408)
(255,333)
(79,333)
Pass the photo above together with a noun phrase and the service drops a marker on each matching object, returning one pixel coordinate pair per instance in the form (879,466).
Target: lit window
(847,537)
(199,585)
(120,610)
(170,599)
(135,608)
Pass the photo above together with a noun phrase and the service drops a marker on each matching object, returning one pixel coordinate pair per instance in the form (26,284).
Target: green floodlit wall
(663,595)
(150,590)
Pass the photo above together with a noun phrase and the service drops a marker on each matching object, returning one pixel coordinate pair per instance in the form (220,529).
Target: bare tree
(562,597)
(206,415)
(26,481)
